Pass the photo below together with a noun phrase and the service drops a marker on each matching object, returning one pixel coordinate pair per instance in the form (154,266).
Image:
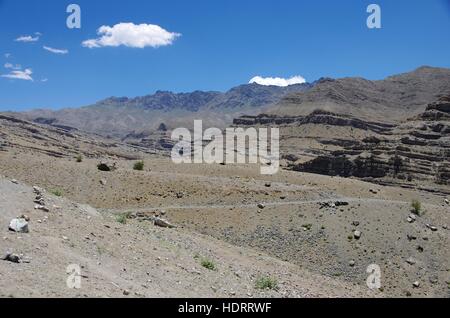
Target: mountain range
(390,100)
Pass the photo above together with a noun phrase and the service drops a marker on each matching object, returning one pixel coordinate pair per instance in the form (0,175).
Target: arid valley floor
(313,232)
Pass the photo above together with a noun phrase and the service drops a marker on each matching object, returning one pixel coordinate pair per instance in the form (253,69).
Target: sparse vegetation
(416,207)
(79,158)
(209,264)
(56,192)
(307,226)
(139,165)
(122,218)
(266,282)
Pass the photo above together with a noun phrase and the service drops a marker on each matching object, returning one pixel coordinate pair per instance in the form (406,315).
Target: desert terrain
(341,202)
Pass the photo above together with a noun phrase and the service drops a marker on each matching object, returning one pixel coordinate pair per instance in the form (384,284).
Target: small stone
(268,185)
(126,292)
(357,235)
(355,223)
(411,261)
(434,279)
(351,263)
(14,181)
(25,217)
(41,207)
(447,201)
(10,257)
(103,182)
(409,220)
(261,205)
(416,284)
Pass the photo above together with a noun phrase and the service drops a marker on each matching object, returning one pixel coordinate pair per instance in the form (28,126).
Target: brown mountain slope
(394,98)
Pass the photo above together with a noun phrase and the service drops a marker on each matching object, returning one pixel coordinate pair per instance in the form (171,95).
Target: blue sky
(223,43)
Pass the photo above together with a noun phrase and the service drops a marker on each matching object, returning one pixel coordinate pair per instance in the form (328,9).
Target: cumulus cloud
(12,66)
(277,81)
(21,75)
(29,38)
(132,35)
(55,51)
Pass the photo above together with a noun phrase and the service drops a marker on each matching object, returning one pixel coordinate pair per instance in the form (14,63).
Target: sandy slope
(138,257)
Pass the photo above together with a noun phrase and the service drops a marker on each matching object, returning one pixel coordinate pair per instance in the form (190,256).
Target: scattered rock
(411,261)
(37,190)
(126,292)
(341,203)
(161,222)
(14,181)
(103,182)
(447,201)
(25,217)
(351,263)
(106,166)
(432,227)
(261,205)
(416,284)
(355,223)
(41,207)
(19,225)
(357,235)
(434,279)
(14,258)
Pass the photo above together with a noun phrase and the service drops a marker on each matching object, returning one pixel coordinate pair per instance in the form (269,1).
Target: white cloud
(277,81)
(132,35)
(11,66)
(7,55)
(29,38)
(56,51)
(44,80)
(22,75)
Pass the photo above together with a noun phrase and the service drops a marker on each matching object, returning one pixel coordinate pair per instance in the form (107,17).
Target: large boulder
(19,225)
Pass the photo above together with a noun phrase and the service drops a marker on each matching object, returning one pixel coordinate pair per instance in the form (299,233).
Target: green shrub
(56,192)
(139,166)
(416,207)
(209,264)
(122,218)
(266,282)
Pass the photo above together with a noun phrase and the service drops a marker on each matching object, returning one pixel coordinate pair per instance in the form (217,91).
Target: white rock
(357,235)
(447,201)
(416,284)
(19,225)
(411,261)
